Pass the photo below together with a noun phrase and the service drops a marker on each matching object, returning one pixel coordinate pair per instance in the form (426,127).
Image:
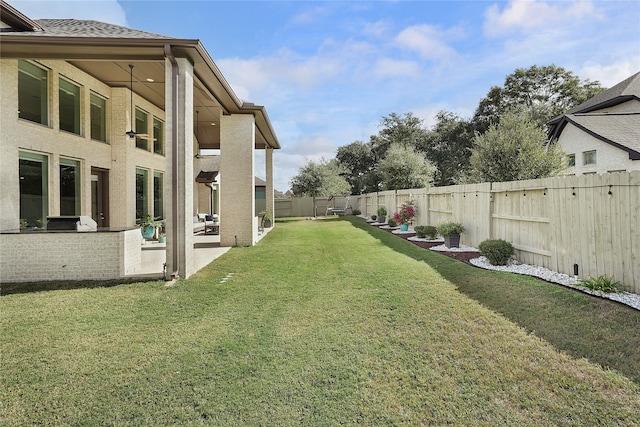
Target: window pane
(589,157)
(32,93)
(34,189)
(69,187)
(571,160)
(98,118)
(69,107)
(141,127)
(141,194)
(158,188)
(158,135)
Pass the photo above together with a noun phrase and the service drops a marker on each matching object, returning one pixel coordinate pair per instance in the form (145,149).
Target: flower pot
(148,232)
(382,219)
(452,240)
(162,239)
(404,227)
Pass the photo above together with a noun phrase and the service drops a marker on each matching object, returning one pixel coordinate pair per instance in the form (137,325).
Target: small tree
(403,167)
(512,150)
(319,180)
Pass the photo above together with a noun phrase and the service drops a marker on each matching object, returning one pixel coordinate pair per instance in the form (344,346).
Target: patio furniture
(337,211)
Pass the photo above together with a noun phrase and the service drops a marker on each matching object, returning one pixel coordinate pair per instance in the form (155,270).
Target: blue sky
(327,71)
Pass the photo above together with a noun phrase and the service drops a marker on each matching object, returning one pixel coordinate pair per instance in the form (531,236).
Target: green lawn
(328,322)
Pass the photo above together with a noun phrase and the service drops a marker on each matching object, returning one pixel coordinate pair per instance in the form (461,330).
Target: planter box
(452,240)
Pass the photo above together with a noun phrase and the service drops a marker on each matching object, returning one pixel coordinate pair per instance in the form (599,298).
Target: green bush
(373,217)
(356,212)
(431,232)
(446,228)
(601,283)
(498,251)
(419,229)
(391,223)
(382,211)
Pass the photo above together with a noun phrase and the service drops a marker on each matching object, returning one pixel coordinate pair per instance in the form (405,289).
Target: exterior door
(100,196)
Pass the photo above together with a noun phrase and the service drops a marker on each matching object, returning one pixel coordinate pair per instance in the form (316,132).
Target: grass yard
(322,323)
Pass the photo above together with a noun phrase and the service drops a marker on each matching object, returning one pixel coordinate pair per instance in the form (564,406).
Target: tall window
(33,99)
(34,189)
(142,193)
(141,127)
(158,136)
(69,187)
(98,118)
(571,160)
(158,201)
(589,157)
(69,105)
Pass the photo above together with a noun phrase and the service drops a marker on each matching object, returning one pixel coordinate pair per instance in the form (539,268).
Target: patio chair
(337,211)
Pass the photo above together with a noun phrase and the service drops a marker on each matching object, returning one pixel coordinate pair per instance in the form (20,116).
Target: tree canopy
(320,179)
(403,167)
(513,149)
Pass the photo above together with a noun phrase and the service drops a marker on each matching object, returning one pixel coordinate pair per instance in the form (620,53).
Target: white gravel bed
(462,248)
(423,239)
(398,231)
(632,300)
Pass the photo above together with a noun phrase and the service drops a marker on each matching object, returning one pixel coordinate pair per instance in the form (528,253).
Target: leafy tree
(545,92)
(319,180)
(514,149)
(358,161)
(406,130)
(447,146)
(403,167)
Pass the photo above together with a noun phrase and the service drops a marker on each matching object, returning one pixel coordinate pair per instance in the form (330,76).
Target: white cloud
(386,67)
(527,16)
(428,41)
(310,15)
(612,74)
(105,10)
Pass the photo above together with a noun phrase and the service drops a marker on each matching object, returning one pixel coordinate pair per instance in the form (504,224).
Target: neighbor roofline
(17,19)
(633,154)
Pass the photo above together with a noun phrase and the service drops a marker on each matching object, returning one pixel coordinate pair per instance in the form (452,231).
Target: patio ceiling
(108,59)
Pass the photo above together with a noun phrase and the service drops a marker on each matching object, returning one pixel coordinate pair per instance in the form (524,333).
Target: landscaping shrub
(431,232)
(446,228)
(601,283)
(356,212)
(419,229)
(391,223)
(373,217)
(498,251)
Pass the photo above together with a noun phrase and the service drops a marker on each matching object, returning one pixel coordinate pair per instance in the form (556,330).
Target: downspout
(174,156)
(210,185)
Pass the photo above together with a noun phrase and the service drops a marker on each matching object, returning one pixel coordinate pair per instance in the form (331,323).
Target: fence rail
(591,222)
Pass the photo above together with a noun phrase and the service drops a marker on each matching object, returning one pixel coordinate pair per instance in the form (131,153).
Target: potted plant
(148,226)
(162,238)
(267,220)
(405,215)
(451,232)
(382,214)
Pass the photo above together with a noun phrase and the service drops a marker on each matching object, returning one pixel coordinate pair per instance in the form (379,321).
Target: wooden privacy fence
(590,223)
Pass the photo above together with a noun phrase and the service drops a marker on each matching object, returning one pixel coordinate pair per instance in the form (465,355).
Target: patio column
(238,223)
(269,178)
(179,167)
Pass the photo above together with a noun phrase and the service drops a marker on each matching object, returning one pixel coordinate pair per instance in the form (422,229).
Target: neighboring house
(71,93)
(602,134)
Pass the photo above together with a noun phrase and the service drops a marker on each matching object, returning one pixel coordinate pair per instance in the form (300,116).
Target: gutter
(174,157)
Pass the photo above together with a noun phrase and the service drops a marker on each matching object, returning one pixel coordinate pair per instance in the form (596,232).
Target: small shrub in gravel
(391,223)
(497,251)
(600,283)
(431,232)
(419,229)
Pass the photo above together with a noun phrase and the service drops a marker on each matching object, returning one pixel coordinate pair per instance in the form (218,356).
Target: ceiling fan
(132,133)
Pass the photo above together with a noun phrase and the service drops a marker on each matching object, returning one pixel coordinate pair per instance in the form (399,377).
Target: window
(589,157)
(98,118)
(141,128)
(142,193)
(34,189)
(69,187)
(571,160)
(158,136)
(69,105)
(158,201)
(33,99)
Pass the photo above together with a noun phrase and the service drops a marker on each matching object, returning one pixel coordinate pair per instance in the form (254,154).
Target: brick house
(602,134)
(72,92)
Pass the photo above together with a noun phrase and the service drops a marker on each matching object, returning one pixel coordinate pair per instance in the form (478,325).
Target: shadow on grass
(25,288)
(582,325)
